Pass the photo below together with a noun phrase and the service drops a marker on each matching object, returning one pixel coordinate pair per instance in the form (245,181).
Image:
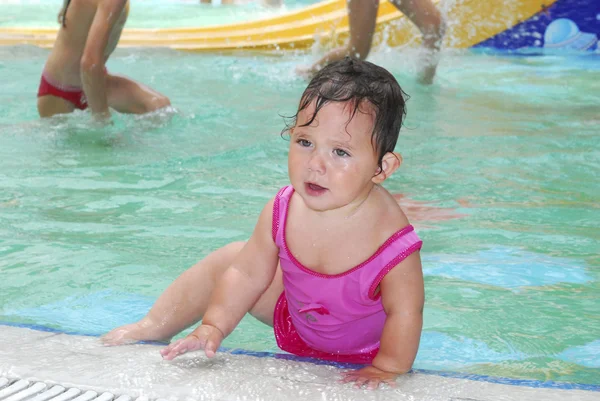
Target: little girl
(333,263)
(75,75)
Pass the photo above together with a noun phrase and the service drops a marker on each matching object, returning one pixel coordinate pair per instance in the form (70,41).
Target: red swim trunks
(71,94)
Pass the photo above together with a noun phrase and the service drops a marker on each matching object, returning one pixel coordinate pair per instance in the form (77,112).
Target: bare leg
(425,15)
(362,17)
(185,301)
(128,96)
(182,304)
(50,105)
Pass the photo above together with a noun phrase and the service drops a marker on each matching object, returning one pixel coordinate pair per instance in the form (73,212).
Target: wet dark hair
(356,81)
(62,16)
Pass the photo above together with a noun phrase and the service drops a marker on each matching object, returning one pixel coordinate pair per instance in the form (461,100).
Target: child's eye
(340,152)
(304,142)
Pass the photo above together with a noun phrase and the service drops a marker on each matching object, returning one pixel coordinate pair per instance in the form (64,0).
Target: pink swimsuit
(333,317)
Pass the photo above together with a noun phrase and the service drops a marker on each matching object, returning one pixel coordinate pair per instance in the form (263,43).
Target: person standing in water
(75,76)
(362,18)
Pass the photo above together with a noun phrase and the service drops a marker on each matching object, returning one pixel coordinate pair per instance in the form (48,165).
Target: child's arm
(93,76)
(403,297)
(239,288)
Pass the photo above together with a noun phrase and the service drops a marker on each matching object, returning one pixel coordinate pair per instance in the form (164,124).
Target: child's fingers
(205,337)
(210,350)
(348,377)
(172,350)
(363,381)
(115,337)
(360,381)
(391,383)
(213,342)
(177,348)
(373,384)
(169,347)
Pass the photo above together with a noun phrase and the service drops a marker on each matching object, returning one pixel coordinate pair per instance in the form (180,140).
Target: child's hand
(204,337)
(369,376)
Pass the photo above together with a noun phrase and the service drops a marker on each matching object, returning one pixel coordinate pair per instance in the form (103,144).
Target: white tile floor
(81,369)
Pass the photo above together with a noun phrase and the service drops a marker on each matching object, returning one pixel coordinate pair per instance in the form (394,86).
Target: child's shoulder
(388,205)
(387,213)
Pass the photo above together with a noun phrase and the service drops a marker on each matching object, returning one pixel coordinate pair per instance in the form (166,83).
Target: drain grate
(25,390)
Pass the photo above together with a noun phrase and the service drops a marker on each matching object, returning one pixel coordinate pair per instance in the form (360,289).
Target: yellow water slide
(324,24)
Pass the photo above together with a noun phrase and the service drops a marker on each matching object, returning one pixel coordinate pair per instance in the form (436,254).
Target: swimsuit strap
(280,210)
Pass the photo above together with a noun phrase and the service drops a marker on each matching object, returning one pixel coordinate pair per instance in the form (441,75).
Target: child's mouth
(314,189)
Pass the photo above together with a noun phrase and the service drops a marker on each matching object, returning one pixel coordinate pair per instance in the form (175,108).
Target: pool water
(149,13)
(501,159)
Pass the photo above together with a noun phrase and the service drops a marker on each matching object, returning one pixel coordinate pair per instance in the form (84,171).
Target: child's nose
(316,163)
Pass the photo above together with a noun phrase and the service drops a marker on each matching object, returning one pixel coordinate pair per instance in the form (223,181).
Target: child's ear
(390,163)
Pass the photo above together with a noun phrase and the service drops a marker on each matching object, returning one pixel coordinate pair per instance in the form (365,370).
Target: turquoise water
(148,13)
(500,169)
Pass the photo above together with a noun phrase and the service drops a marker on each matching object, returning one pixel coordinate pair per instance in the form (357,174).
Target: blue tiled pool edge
(263,354)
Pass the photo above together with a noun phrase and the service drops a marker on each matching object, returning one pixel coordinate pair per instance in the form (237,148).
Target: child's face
(332,162)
